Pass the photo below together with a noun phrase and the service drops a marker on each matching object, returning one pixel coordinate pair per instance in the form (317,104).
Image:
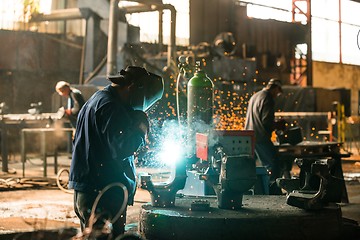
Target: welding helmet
(147,88)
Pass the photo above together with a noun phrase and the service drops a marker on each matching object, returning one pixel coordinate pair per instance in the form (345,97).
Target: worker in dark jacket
(260,117)
(111,126)
(75,100)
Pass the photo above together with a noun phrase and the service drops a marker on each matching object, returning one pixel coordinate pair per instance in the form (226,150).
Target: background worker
(111,126)
(75,100)
(260,117)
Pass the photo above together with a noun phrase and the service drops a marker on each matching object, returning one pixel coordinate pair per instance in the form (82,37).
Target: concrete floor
(37,203)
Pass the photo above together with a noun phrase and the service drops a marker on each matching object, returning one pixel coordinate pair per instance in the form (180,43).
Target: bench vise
(316,187)
(231,167)
(163,194)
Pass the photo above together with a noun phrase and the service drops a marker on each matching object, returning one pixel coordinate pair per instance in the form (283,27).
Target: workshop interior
(199,166)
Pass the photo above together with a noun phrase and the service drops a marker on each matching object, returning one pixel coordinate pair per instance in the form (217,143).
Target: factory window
(17,14)
(325,40)
(14,13)
(149,27)
(350,44)
(325,9)
(350,29)
(325,31)
(326,28)
(270,9)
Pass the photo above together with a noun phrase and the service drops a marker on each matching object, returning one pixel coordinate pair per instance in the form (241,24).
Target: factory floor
(34,202)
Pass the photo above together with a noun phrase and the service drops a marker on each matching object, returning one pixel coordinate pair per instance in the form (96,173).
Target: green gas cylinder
(200,100)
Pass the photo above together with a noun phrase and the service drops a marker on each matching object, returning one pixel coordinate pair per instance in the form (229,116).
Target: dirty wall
(31,64)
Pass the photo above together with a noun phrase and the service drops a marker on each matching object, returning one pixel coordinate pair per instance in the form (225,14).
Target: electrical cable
(358,39)
(92,218)
(60,182)
(177,96)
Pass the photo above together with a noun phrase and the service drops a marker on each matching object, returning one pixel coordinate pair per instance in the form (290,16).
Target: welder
(260,117)
(111,126)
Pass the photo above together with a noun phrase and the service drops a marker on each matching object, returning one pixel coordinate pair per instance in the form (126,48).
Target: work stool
(44,140)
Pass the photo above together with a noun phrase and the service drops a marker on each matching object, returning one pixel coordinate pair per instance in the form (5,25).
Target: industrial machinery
(222,160)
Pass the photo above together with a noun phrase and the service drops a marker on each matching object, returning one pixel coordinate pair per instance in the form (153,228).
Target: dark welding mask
(146,88)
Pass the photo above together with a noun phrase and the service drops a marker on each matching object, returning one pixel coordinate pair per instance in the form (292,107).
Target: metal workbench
(18,122)
(44,133)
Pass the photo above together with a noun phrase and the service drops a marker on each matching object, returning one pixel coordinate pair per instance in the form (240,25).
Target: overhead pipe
(160,8)
(161,30)
(70,14)
(63,14)
(111,66)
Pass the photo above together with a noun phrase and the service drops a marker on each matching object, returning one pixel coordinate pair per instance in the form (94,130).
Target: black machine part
(328,190)
(231,177)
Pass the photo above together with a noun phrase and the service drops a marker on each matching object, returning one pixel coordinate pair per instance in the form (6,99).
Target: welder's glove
(141,121)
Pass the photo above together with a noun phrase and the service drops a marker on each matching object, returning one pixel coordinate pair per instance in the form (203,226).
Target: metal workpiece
(261,217)
(163,194)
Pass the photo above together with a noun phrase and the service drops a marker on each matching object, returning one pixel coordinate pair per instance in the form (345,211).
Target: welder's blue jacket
(104,144)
